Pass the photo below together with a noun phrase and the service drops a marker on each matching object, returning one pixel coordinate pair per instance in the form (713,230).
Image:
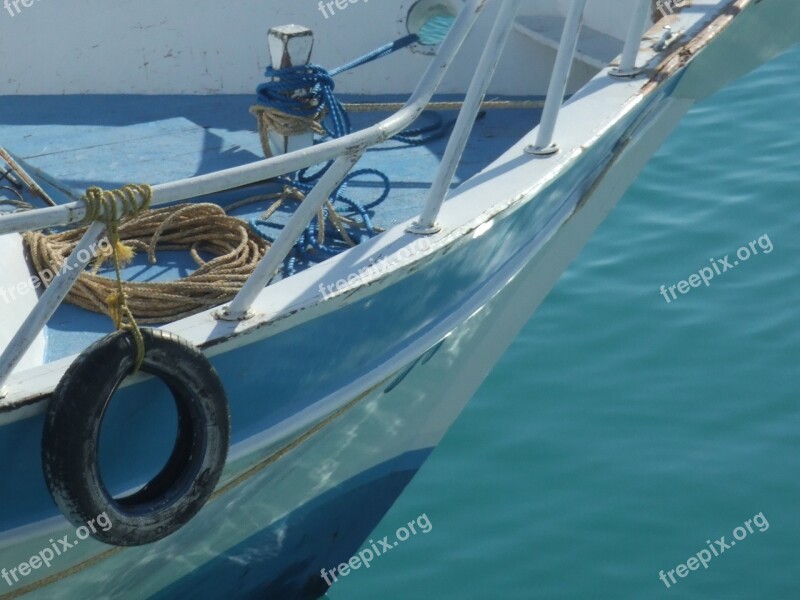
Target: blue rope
(318,86)
(278,94)
(305,183)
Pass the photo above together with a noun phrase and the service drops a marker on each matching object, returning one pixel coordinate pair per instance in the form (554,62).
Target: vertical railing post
(544,145)
(240,307)
(627,65)
(426,223)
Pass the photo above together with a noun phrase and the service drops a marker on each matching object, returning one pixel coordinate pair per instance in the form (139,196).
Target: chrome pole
(544,145)
(627,66)
(239,308)
(426,223)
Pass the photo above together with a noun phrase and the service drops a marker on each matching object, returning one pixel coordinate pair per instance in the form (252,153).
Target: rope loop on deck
(201,229)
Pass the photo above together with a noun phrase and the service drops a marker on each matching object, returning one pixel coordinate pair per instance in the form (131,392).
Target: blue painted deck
(80,141)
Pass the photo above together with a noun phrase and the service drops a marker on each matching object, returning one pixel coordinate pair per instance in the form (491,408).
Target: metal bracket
(418,228)
(665,38)
(224,315)
(618,72)
(542,150)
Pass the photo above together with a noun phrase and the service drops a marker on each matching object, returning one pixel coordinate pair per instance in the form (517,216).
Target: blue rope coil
(319,97)
(308,249)
(318,86)
(319,102)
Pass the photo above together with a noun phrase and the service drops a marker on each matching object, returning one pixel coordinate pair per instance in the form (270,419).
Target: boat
(244,296)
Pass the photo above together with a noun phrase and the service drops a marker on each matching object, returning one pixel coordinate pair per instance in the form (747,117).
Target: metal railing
(627,64)
(544,145)
(345,152)
(426,224)
(558,81)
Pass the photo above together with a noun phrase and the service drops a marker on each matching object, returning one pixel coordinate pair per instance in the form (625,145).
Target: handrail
(263,170)
(627,64)
(346,151)
(544,145)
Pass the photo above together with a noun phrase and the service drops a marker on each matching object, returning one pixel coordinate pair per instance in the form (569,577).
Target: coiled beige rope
(194,227)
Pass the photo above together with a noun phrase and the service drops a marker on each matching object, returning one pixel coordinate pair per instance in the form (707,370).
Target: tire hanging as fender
(72,433)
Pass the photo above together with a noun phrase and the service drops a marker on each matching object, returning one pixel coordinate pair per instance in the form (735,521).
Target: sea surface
(622,435)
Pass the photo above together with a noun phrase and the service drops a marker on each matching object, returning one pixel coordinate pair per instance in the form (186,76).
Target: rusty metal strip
(684,53)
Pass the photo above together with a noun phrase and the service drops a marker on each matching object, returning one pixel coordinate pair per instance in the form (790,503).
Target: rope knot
(106,205)
(298,100)
(110,207)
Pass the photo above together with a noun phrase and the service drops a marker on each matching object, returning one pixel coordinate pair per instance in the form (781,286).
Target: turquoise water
(620,432)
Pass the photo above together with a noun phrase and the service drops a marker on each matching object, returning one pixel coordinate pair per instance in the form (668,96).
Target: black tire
(72,433)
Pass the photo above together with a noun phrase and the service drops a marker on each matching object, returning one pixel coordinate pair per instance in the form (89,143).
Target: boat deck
(70,143)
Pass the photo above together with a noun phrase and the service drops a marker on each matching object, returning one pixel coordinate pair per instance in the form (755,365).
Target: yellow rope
(104,206)
(339,222)
(270,119)
(101,205)
(193,227)
(236,248)
(360,107)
